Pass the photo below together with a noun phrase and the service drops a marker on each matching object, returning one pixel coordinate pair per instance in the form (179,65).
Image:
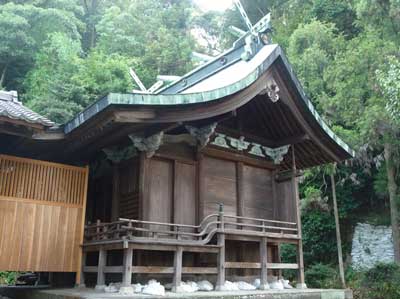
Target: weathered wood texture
(42,207)
(159,203)
(257,190)
(129,189)
(219,186)
(185,194)
(286,209)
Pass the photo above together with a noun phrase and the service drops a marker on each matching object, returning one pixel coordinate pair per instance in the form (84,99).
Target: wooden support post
(127,267)
(263,260)
(79,277)
(278,253)
(115,193)
(221,262)
(177,269)
(221,253)
(300,260)
(101,279)
(81,283)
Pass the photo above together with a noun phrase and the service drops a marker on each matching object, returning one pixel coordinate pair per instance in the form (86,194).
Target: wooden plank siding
(42,210)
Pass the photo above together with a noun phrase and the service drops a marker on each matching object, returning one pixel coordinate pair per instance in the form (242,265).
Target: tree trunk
(392,187)
(337,224)
(3,76)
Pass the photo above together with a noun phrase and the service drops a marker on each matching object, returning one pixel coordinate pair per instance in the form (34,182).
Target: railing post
(177,269)
(98,222)
(105,228)
(221,216)
(221,253)
(129,230)
(101,281)
(264,259)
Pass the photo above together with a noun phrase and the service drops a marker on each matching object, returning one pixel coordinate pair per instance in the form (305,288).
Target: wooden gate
(42,210)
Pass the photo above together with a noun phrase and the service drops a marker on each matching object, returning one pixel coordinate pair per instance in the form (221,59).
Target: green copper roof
(198,87)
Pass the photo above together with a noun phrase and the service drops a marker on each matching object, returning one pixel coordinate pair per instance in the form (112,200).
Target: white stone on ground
(276,285)
(137,287)
(285,284)
(205,285)
(153,287)
(111,289)
(229,286)
(187,287)
(257,283)
(126,291)
(244,286)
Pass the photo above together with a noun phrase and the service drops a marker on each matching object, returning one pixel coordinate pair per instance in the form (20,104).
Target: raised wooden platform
(209,236)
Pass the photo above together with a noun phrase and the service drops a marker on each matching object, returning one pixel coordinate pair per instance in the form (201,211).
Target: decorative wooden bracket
(276,154)
(272,90)
(202,134)
(255,149)
(117,155)
(148,145)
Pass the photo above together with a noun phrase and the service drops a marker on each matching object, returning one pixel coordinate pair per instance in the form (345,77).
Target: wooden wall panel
(42,207)
(129,189)
(219,186)
(159,202)
(185,193)
(39,237)
(286,203)
(257,192)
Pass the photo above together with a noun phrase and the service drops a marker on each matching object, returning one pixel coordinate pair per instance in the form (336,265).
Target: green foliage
(389,82)
(63,83)
(319,239)
(8,278)
(23,30)
(311,50)
(322,276)
(338,12)
(382,282)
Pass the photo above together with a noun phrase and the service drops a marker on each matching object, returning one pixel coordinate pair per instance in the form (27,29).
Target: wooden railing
(129,235)
(200,234)
(42,181)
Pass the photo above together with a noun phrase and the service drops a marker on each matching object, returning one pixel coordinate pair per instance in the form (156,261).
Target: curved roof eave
(258,65)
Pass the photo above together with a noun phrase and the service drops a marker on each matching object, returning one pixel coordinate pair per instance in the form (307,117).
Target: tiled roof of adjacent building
(11,108)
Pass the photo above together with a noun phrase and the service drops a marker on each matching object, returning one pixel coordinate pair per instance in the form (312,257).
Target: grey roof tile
(10,107)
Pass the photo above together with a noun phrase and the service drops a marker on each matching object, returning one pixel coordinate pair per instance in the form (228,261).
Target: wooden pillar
(221,262)
(263,260)
(127,267)
(300,261)
(81,283)
(239,189)
(221,253)
(79,277)
(278,253)
(101,278)
(177,269)
(115,193)
(200,187)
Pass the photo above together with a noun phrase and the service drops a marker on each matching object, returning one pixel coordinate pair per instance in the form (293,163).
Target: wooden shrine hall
(196,179)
